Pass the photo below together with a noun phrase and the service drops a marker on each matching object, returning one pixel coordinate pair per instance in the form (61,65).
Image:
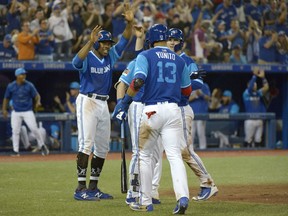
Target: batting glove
(200,74)
(121,108)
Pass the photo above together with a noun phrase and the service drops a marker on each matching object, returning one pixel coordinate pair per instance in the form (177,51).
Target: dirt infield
(117,156)
(267,194)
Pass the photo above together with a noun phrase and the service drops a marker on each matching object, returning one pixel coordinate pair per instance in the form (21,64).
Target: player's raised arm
(129,17)
(87,47)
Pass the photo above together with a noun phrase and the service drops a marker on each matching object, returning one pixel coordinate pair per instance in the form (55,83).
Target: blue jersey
(127,77)
(230,108)
(7,53)
(253,100)
(164,73)
(196,84)
(21,95)
(266,54)
(228,13)
(95,73)
(200,105)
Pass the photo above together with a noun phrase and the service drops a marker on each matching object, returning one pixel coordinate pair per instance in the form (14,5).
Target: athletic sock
(96,168)
(82,164)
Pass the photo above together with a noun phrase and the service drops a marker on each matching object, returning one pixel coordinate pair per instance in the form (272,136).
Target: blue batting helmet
(158,32)
(177,34)
(104,36)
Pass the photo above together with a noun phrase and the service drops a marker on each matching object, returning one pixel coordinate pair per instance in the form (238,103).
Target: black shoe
(44,150)
(247,145)
(15,154)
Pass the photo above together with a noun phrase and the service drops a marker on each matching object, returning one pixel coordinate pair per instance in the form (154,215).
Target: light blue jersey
(21,95)
(253,100)
(165,83)
(127,77)
(96,74)
(196,83)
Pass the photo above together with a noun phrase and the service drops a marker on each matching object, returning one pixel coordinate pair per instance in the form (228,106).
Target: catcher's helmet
(177,34)
(158,32)
(104,36)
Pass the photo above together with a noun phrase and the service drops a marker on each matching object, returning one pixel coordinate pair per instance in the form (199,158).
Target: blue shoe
(156,201)
(181,206)
(99,194)
(130,200)
(84,196)
(206,193)
(137,207)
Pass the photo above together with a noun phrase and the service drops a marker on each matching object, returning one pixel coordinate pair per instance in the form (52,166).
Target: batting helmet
(177,34)
(104,36)
(158,32)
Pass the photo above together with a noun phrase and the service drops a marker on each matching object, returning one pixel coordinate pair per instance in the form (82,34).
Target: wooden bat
(123,158)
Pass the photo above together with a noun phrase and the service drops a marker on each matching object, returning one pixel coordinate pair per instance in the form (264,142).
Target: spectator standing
(235,35)
(95,62)
(35,23)
(22,93)
(236,56)
(253,99)
(26,42)
(282,48)
(7,51)
(267,46)
(253,12)
(75,21)
(252,37)
(228,11)
(58,24)
(45,48)
(198,100)
(92,16)
(13,16)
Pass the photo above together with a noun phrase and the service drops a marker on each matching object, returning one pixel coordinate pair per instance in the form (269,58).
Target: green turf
(46,188)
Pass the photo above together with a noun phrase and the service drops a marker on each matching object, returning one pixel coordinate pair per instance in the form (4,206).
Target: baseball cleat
(181,206)
(44,150)
(99,194)
(82,195)
(156,201)
(206,193)
(15,154)
(137,207)
(130,200)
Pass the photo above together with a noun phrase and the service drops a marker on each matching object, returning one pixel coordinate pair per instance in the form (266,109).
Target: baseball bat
(123,158)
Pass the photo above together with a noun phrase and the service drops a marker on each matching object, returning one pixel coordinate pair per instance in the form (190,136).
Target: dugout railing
(69,141)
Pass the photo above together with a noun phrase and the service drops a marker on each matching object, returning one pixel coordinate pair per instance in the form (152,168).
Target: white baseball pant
(16,123)
(253,130)
(94,126)
(199,126)
(162,119)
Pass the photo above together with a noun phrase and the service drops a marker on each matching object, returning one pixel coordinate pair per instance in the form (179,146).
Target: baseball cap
(74,85)
(227,93)
(237,46)
(281,33)
(20,71)
(8,37)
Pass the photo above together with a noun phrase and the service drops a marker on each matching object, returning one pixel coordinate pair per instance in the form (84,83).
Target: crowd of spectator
(228,31)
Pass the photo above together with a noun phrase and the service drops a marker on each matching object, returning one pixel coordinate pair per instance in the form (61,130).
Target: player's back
(163,79)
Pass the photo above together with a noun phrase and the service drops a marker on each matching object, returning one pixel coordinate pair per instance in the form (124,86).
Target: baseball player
(207,185)
(253,99)
(134,115)
(164,76)
(94,63)
(22,93)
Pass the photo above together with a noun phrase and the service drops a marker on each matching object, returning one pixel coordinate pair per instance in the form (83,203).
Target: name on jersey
(165,55)
(100,70)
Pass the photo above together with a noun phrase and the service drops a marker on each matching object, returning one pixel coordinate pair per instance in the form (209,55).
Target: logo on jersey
(101,70)
(125,72)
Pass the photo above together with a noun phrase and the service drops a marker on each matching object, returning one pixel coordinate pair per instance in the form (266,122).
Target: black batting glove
(200,74)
